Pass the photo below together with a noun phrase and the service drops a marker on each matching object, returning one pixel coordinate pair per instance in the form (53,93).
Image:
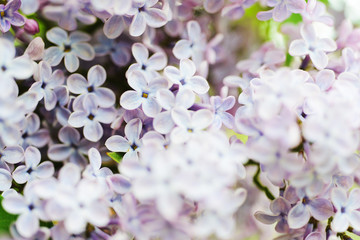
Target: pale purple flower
(47,82)
(313,46)
(95,78)
(71,147)
(185,77)
(90,117)
(236,8)
(9,15)
(347,209)
(145,14)
(189,124)
(315,11)
(33,169)
(144,94)
(29,6)
(282,9)
(147,65)
(94,170)
(71,47)
(212,6)
(114,26)
(61,111)
(31,132)
(184,98)
(279,208)
(131,144)
(5,179)
(220,108)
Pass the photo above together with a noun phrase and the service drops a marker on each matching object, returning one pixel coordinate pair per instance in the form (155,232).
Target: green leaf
(115,156)
(5,219)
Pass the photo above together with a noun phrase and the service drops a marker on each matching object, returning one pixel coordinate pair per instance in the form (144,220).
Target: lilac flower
(32,169)
(147,65)
(188,124)
(31,132)
(282,9)
(212,6)
(30,6)
(9,15)
(61,112)
(96,77)
(90,116)
(236,8)
(114,26)
(315,11)
(5,179)
(144,94)
(71,147)
(184,98)
(184,77)
(71,47)
(94,169)
(280,208)
(347,207)
(314,47)
(144,13)
(131,144)
(220,106)
(47,82)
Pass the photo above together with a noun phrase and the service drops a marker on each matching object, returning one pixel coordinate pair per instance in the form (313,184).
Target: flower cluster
(164,119)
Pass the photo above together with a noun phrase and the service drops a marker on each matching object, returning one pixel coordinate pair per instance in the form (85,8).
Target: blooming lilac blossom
(282,9)
(9,15)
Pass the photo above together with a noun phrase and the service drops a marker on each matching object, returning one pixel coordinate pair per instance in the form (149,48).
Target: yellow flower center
(2,13)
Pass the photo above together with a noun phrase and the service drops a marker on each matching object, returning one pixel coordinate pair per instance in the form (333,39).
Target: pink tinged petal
(106,115)
(130,100)
(53,55)
(266,218)
(163,122)
(157,61)
(77,84)
(296,6)
(202,119)
(319,59)
(5,180)
(93,131)
(45,170)
(15,204)
(354,219)
(71,62)
(59,152)
(84,51)
(57,35)
(77,119)
(13,154)
(321,209)
(165,98)
(353,201)
(114,26)
(298,48)
(264,15)
(21,68)
(233,11)
(340,222)
(94,158)
(17,20)
(133,129)
(117,144)
(212,6)
(21,175)
(50,100)
(150,107)
(137,81)
(181,117)
(27,224)
(183,49)
(97,214)
(140,53)
(106,97)
(298,216)
(198,84)
(155,17)
(32,156)
(327,45)
(119,183)
(96,75)
(280,12)
(173,74)
(280,205)
(138,25)
(69,174)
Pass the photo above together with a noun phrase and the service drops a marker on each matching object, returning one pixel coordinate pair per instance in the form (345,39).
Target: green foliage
(5,219)
(117,157)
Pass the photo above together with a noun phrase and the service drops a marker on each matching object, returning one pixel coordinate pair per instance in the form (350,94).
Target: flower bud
(31,26)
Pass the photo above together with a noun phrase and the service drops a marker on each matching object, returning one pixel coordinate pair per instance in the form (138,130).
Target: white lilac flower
(148,65)
(313,46)
(131,144)
(72,47)
(33,169)
(315,11)
(145,14)
(282,9)
(184,98)
(185,77)
(144,94)
(95,78)
(90,116)
(5,179)
(220,108)
(47,82)
(347,209)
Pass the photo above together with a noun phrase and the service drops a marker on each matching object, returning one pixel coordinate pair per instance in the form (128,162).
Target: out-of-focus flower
(282,9)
